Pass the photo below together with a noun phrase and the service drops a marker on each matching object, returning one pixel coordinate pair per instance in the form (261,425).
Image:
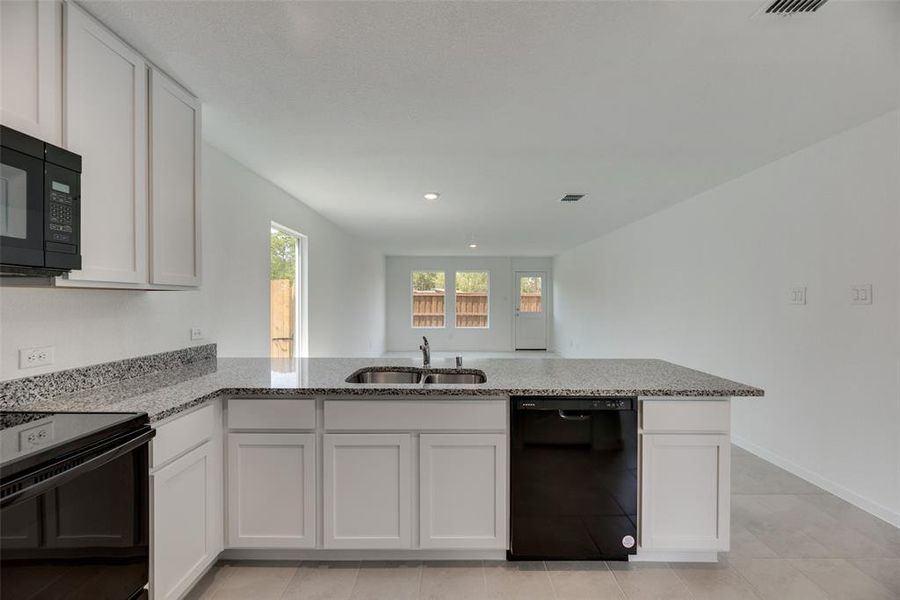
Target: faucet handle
(459,362)
(425,339)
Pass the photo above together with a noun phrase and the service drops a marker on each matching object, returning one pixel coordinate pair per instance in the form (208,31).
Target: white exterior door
(271,490)
(367,490)
(462,490)
(531,310)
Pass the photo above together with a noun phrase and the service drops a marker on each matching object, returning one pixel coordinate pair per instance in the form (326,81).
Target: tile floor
(789,541)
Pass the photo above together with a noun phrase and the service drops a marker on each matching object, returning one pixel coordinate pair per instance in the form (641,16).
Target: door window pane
(472,305)
(530,294)
(283,294)
(428,291)
(13,202)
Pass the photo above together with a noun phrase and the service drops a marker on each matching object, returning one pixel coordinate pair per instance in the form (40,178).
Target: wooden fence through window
(282,315)
(471,308)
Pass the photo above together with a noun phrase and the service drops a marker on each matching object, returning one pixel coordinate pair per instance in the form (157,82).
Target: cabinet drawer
(406,415)
(272,414)
(683,416)
(183,433)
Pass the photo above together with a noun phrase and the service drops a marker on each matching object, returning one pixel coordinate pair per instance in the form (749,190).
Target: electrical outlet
(798,295)
(861,293)
(196,333)
(36,436)
(35,357)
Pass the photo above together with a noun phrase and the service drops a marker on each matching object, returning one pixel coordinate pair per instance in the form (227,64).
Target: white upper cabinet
(31,67)
(106,123)
(174,183)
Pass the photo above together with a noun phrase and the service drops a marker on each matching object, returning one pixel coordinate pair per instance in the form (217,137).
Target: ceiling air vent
(571,198)
(794,7)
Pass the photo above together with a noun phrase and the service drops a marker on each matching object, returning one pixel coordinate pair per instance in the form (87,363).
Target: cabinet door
(184,521)
(271,490)
(367,491)
(31,68)
(174,183)
(106,123)
(685,492)
(462,493)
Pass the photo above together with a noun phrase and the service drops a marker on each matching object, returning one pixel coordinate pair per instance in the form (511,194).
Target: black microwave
(40,207)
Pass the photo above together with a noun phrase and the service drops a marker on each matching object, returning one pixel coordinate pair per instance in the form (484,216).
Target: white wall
(346,289)
(497,337)
(345,277)
(707,284)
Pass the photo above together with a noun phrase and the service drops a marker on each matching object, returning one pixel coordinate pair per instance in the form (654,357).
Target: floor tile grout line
(624,596)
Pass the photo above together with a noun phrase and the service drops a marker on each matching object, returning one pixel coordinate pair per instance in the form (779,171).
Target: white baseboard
(321,554)
(874,508)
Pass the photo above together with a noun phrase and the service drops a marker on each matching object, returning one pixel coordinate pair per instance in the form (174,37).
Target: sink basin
(414,375)
(450,377)
(379,375)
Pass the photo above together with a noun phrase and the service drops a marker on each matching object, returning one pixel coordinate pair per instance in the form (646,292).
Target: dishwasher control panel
(576,403)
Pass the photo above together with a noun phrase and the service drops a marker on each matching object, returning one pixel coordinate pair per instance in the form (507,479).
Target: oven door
(21,209)
(82,533)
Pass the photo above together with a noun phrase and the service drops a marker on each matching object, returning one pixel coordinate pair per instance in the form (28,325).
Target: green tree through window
(284,255)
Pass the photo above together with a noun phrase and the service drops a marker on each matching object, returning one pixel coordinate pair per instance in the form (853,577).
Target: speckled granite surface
(166,392)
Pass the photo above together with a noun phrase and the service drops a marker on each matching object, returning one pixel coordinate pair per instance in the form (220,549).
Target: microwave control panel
(62,214)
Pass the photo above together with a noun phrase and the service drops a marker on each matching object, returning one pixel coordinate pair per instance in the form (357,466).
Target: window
(530,293)
(428,306)
(284,316)
(472,305)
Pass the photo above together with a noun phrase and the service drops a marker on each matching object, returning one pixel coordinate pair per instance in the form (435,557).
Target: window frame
(412,291)
(487,273)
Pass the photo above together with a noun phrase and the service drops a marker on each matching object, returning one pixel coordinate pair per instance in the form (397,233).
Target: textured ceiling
(357,109)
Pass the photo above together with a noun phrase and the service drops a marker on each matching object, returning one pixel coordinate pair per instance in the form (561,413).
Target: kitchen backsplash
(27,389)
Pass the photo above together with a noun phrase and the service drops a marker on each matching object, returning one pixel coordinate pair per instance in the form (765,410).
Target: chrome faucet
(426,353)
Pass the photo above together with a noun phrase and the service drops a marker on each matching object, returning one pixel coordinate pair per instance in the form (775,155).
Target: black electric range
(74,505)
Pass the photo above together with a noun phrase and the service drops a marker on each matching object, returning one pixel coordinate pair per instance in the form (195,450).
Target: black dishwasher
(573,478)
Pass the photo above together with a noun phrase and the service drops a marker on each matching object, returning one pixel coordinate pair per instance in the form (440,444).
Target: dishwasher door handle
(565,417)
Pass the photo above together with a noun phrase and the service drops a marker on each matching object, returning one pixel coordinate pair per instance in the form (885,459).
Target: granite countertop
(172,390)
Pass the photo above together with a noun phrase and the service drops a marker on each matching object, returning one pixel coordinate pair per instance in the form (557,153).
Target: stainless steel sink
(414,375)
(379,375)
(451,377)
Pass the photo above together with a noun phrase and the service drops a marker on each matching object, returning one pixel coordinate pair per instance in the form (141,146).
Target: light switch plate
(861,293)
(798,295)
(35,357)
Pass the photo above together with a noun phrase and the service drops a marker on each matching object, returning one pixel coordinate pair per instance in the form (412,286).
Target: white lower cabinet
(185,521)
(367,490)
(462,491)
(271,490)
(685,503)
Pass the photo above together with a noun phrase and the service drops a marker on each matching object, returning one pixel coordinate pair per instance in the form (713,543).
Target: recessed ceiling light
(432,196)
(473,245)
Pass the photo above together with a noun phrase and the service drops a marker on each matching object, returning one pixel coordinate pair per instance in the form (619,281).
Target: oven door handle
(90,464)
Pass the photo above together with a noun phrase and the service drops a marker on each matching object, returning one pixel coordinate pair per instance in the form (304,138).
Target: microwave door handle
(69,474)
